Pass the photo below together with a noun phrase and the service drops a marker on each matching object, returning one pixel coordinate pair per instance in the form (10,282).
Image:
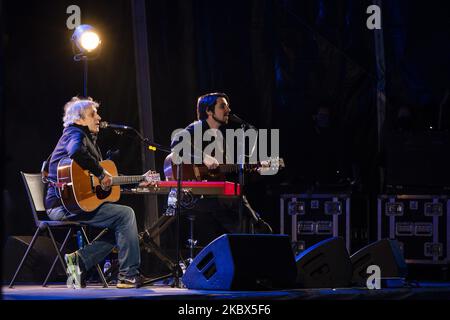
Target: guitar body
(190,172)
(82,191)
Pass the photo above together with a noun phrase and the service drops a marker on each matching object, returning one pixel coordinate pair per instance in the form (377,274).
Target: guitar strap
(46,180)
(44,177)
(44,169)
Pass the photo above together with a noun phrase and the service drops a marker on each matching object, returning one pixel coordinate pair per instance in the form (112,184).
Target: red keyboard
(216,188)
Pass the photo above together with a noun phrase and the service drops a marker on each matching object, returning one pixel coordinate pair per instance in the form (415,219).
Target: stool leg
(56,258)
(63,263)
(33,240)
(99,270)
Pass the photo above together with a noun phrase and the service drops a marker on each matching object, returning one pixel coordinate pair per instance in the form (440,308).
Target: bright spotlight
(86,45)
(86,39)
(89,40)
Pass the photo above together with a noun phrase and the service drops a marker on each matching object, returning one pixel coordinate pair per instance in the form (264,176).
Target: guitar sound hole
(102,194)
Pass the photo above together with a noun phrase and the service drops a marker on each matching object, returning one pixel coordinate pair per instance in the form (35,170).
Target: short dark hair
(207,102)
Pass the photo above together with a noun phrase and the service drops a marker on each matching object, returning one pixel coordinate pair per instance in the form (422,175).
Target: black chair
(35,190)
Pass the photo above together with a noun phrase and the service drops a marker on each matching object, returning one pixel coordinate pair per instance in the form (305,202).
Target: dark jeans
(121,222)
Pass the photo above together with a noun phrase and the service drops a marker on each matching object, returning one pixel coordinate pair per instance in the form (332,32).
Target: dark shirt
(79,144)
(202,126)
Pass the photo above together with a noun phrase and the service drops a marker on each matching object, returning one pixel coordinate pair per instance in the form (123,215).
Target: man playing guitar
(214,215)
(78,144)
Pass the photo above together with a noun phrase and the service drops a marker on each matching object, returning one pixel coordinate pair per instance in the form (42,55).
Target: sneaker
(77,276)
(133,282)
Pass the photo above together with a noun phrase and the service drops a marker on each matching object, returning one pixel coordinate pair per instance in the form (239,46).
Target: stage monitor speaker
(385,254)
(36,265)
(243,262)
(324,265)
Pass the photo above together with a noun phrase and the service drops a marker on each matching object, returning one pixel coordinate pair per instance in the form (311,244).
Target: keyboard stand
(147,241)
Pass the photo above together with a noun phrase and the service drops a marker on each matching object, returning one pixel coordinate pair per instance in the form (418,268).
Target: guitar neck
(230,168)
(119,180)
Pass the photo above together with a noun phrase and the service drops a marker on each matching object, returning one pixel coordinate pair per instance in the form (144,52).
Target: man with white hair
(78,142)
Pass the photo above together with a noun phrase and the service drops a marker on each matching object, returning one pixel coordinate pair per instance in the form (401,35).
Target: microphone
(234,118)
(104,125)
(111,155)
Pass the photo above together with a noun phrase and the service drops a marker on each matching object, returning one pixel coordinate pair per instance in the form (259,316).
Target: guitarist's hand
(106,182)
(150,181)
(210,162)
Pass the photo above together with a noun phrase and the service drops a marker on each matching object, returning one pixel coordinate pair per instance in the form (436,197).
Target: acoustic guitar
(81,191)
(200,172)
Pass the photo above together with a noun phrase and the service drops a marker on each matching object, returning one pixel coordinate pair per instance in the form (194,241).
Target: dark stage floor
(421,291)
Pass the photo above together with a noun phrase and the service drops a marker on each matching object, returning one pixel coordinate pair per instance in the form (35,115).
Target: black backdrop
(278,61)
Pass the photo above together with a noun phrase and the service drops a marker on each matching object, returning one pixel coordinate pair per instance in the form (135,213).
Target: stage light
(86,39)
(89,41)
(86,45)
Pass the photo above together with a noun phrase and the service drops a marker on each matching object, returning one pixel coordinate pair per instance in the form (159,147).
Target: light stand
(86,45)
(85,76)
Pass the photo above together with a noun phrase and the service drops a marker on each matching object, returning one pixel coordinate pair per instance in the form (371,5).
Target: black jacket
(79,144)
(202,126)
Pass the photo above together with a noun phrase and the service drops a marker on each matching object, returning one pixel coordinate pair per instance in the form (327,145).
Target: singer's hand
(210,162)
(106,182)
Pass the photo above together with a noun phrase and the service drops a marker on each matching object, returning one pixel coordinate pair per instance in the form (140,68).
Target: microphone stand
(176,271)
(242,222)
(155,146)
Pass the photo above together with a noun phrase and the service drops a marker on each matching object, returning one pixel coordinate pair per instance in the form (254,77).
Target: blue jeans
(121,222)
